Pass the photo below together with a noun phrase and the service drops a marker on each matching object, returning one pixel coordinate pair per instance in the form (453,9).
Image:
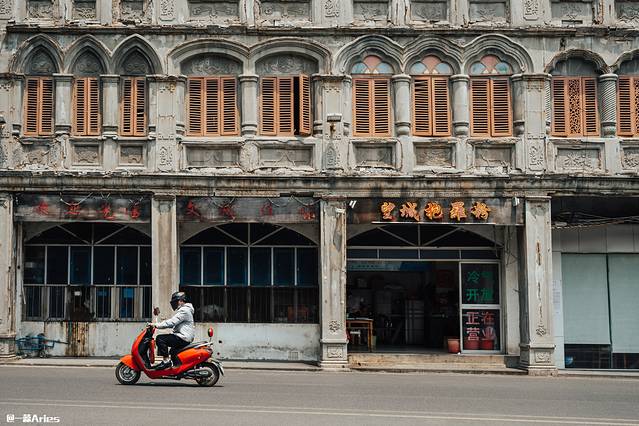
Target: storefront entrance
(423,288)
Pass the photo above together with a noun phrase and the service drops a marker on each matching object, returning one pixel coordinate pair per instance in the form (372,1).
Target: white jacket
(182,323)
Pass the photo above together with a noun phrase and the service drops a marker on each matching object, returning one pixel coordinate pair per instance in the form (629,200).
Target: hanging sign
(83,207)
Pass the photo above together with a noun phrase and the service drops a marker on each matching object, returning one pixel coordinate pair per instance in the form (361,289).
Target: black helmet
(177,296)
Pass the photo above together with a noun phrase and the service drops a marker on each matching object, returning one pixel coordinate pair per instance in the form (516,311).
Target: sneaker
(164,365)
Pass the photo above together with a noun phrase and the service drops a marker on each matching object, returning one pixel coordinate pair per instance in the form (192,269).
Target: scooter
(196,361)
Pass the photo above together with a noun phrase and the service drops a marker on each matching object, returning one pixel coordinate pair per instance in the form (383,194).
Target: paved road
(83,396)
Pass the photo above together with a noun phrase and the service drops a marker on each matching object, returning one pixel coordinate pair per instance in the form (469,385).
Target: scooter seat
(192,345)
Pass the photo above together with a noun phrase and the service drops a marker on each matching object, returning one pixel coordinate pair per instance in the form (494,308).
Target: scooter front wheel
(209,381)
(126,375)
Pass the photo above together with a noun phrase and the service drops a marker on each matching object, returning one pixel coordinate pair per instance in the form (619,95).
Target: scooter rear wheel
(126,375)
(209,381)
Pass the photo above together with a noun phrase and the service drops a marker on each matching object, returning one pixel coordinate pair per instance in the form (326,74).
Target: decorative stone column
(333,283)
(63,102)
(461,112)
(537,344)
(110,104)
(608,96)
(7,278)
(248,92)
(530,107)
(332,13)
(401,90)
(164,117)
(164,249)
(104,10)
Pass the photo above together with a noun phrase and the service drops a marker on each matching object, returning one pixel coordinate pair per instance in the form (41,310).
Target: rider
(183,331)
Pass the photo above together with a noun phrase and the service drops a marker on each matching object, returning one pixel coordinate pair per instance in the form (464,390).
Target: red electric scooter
(196,360)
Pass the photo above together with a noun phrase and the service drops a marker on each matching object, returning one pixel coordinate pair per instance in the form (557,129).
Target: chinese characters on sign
(481,329)
(457,211)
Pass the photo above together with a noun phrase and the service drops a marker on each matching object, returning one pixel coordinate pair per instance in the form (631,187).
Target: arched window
(133,95)
(212,96)
(39,95)
(371,97)
(86,95)
(628,99)
(431,104)
(285,95)
(490,99)
(575,110)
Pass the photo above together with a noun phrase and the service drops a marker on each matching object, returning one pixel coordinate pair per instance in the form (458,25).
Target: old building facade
(275,159)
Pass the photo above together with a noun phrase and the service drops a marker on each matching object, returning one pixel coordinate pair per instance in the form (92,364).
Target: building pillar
(333,339)
(7,275)
(461,112)
(104,10)
(63,102)
(163,111)
(401,90)
(248,92)
(537,343)
(110,104)
(164,248)
(530,107)
(608,96)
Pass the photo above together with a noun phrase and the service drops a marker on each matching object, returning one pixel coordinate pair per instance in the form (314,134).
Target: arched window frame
(431,112)
(87,98)
(372,109)
(490,98)
(134,96)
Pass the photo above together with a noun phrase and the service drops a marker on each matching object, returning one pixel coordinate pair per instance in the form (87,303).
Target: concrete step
(399,359)
(466,368)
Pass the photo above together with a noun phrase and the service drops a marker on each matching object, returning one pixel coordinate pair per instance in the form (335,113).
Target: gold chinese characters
(434,211)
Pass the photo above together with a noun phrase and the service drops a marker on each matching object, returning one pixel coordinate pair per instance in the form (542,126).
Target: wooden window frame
(490,107)
(433,107)
(631,109)
(134,132)
(226,108)
(372,101)
(585,120)
(88,108)
(300,122)
(39,107)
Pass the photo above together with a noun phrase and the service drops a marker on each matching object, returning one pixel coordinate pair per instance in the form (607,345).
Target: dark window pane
(480,283)
(214,265)
(236,304)
(127,266)
(81,265)
(55,235)
(145,265)
(260,304)
(191,266)
(103,302)
(194,297)
(57,264)
(128,236)
(80,308)
(286,237)
(33,301)
(237,265)
(307,267)
(212,308)
(127,298)
(284,265)
(587,356)
(56,302)
(260,266)
(284,304)
(146,302)
(480,329)
(237,230)
(307,305)
(34,265)
(104,265)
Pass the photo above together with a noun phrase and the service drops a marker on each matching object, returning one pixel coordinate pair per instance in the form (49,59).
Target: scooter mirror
(156,311)
(210,331)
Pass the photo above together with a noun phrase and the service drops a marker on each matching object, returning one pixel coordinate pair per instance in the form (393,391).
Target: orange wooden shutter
(93,106)
(126,126)
(381,106)
(441,107)
(31,106)
(305,106)
(635,104)
(559,107)
(574,107)
(286,109)
(86,114)
(212,110)
(626,118)
(268,105)
(500,107)
(422,106)
(362,108)
(46,118)
(80,104)
(229,106)
(480,104)
(140,106)
(591,109)
(194,112)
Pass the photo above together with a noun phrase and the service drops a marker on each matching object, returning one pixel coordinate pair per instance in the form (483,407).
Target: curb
(513,372)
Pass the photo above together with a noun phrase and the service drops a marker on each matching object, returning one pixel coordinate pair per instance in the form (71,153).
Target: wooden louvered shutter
(559,107)
(381,106)
(31,108)
(422,107)
(305,107)
(268,106)
(591,109)
(195,107)
(212,110)
(286,109)
(140,106)
(80,104)
(229,106)
(86,114)
(500,107)
(126,107)
(93,106)
(441,107)
(628,106)
(46,104)
(362,108)
(480,104)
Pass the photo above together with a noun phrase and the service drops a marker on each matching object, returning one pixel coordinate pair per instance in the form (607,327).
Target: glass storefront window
(191,272)
(103,272)
(80,265)
(237,265)
(127,265)
(480,283)
(34,265)
(284,265)
(480,329)
(57,264)
(214,265)
(260,266)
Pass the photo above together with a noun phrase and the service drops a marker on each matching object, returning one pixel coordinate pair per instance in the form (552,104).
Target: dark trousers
(164,341)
